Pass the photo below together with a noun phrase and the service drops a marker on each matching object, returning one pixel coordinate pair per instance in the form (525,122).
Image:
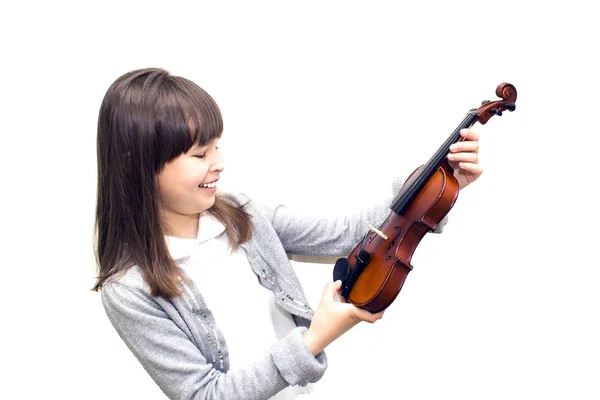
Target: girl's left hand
(463,157)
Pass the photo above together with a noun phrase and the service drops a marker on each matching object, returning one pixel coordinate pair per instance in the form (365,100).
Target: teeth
(209,185)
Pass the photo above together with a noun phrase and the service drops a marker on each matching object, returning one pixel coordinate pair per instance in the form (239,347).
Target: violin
(374,272)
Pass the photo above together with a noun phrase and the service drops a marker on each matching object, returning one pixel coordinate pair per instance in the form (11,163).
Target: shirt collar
(208,228)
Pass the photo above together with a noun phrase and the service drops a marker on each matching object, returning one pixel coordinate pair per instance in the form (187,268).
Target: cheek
(169,186)
(181,179)
(164,191)
(191,177)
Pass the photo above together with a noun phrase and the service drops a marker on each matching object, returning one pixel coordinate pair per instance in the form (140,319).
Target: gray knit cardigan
(177,340)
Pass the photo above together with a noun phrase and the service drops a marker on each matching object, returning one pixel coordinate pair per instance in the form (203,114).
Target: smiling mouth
(208,185)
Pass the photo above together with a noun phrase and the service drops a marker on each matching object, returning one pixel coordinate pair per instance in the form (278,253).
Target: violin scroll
(508,93)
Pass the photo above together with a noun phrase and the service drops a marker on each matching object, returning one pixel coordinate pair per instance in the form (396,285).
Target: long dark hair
(148,118)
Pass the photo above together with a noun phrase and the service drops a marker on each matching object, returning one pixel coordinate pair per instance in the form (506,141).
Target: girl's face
(188,184)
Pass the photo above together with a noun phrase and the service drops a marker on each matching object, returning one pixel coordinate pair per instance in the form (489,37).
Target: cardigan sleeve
(322,236)
(329,236)
(180,369)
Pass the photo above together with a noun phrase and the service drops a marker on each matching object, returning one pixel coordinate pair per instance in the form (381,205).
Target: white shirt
(245,312)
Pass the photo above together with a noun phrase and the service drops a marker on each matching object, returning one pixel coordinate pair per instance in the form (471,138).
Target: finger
(470,167)
(469,134)
(469,146)
(338,292)
(379,315)
(366,316)
(331,288)
(337,285)
(341,298)
(467,157)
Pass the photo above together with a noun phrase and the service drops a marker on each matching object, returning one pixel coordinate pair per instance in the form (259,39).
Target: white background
(324,102)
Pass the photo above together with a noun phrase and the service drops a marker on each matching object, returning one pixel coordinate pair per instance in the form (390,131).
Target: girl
(197,282)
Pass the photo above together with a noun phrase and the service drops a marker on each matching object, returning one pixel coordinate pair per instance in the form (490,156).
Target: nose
(217,164)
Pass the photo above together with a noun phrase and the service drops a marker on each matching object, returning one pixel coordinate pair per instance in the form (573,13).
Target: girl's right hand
(332,319)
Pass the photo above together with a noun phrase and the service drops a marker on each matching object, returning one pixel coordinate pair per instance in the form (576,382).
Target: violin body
(375,271)
(390,263)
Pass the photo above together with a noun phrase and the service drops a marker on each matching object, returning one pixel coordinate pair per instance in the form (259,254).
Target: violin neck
(416,182)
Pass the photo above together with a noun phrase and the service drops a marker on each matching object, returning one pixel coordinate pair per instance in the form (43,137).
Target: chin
(209,203)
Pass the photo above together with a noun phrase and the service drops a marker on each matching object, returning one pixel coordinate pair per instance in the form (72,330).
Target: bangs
(187,116)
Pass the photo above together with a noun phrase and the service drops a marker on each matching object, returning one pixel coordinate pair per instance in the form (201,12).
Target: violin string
(407,193)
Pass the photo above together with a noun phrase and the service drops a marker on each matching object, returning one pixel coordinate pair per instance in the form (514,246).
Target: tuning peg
(511,106)
(496,111)
(484,102)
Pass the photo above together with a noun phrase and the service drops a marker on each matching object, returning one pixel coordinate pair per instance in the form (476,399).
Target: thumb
(331,289)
